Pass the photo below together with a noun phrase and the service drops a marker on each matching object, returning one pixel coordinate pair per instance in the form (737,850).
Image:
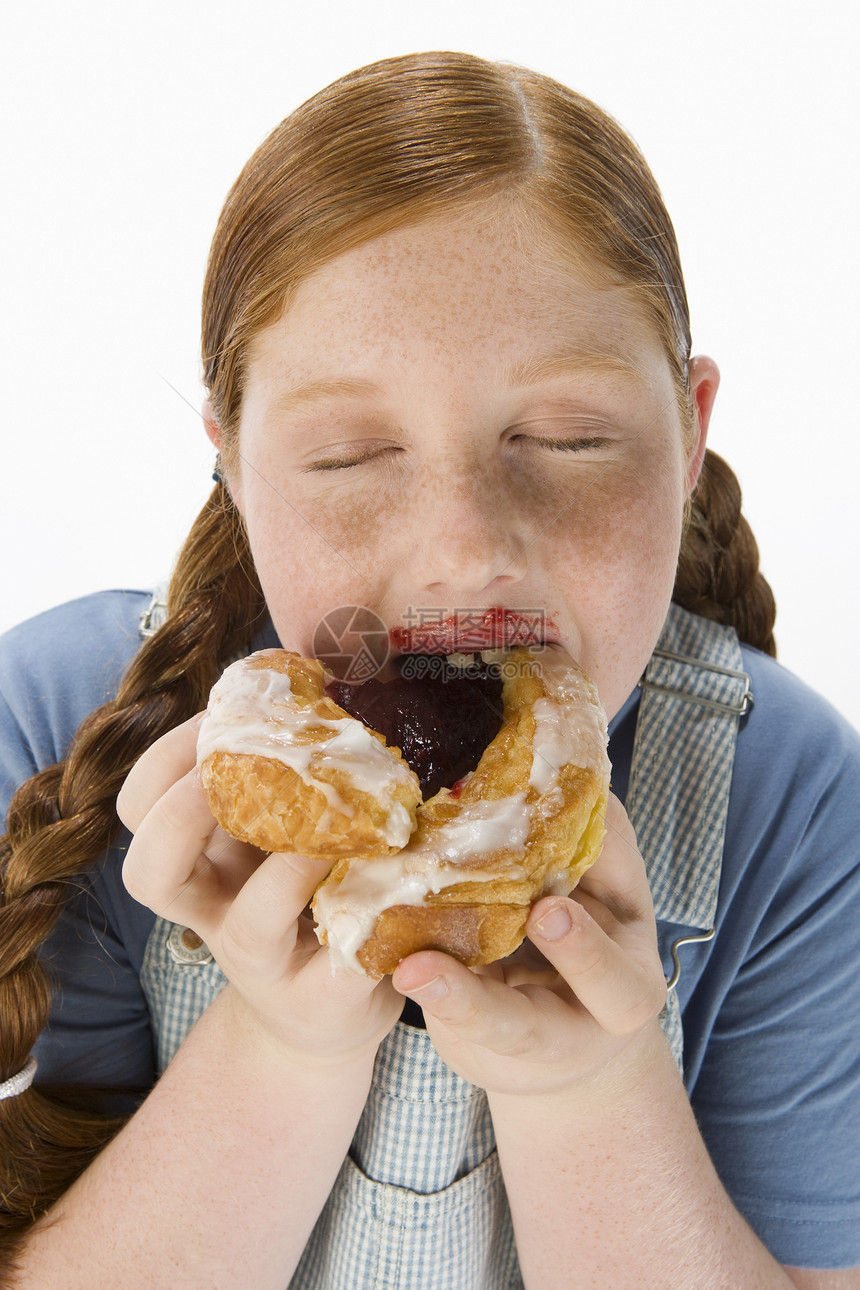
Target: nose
(468,539)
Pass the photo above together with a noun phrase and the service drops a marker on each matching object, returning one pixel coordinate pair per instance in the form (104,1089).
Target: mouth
(470,631)
(440,698)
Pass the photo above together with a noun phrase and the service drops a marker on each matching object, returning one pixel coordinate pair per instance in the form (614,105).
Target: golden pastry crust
(464,870)
(480,915)
(262,800)
(472,933)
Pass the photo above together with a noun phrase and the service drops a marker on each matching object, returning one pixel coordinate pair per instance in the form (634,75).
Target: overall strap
(155,614)
(694,693)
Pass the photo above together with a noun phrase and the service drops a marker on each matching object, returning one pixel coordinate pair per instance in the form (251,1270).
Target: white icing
(570,724)
(398,826)
(253,710)
(570,728)
(553,745)
(480,828)
(349,911)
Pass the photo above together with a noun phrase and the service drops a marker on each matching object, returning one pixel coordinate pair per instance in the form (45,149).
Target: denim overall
(419,1203)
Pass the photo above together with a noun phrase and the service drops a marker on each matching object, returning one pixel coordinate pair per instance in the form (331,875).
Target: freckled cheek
(623,512)
(357,525)
(650,531)
(611,557)
(620,532)
(313,554)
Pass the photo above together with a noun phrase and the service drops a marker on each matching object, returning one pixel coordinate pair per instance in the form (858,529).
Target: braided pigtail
(718,573)
(64,818)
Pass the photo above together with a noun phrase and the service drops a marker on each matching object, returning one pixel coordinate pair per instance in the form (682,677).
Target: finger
(494,1016)
(622,986)
(261,924)
(172,865)
(618,879)
(526,966)
(163,763)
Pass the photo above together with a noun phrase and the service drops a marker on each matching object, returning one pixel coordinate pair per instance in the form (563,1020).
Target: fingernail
(555,923)
(431,990)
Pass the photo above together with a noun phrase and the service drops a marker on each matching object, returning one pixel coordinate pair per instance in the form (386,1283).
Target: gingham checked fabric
(692,693)
(419,1203)
(177,989)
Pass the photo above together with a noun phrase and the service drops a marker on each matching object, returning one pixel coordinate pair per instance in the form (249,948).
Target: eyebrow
(534,371)
(315,391)
(531,372)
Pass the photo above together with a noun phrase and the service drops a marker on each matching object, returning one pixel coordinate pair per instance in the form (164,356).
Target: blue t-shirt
(770,1007)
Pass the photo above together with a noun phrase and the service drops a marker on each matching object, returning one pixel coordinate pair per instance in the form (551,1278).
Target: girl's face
(450,419)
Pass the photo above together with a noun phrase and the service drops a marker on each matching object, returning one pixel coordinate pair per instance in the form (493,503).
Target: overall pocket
(381,1237)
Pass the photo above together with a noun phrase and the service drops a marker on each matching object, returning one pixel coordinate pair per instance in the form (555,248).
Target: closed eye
(573,445)
(348,462)
(581,443)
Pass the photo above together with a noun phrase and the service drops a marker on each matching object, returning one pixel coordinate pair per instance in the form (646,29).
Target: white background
(124,125)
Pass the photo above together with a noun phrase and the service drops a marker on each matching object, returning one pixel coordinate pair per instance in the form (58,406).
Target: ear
(704,383)
(212,428)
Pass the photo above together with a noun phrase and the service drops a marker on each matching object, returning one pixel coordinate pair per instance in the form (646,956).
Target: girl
(447,356)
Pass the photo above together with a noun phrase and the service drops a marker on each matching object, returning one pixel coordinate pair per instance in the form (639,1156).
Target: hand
(249,908)
(565,1007)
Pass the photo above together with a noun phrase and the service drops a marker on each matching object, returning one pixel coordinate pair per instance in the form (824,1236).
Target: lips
(472,630)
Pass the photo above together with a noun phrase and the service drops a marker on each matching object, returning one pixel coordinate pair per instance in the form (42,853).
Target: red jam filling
(439,718)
